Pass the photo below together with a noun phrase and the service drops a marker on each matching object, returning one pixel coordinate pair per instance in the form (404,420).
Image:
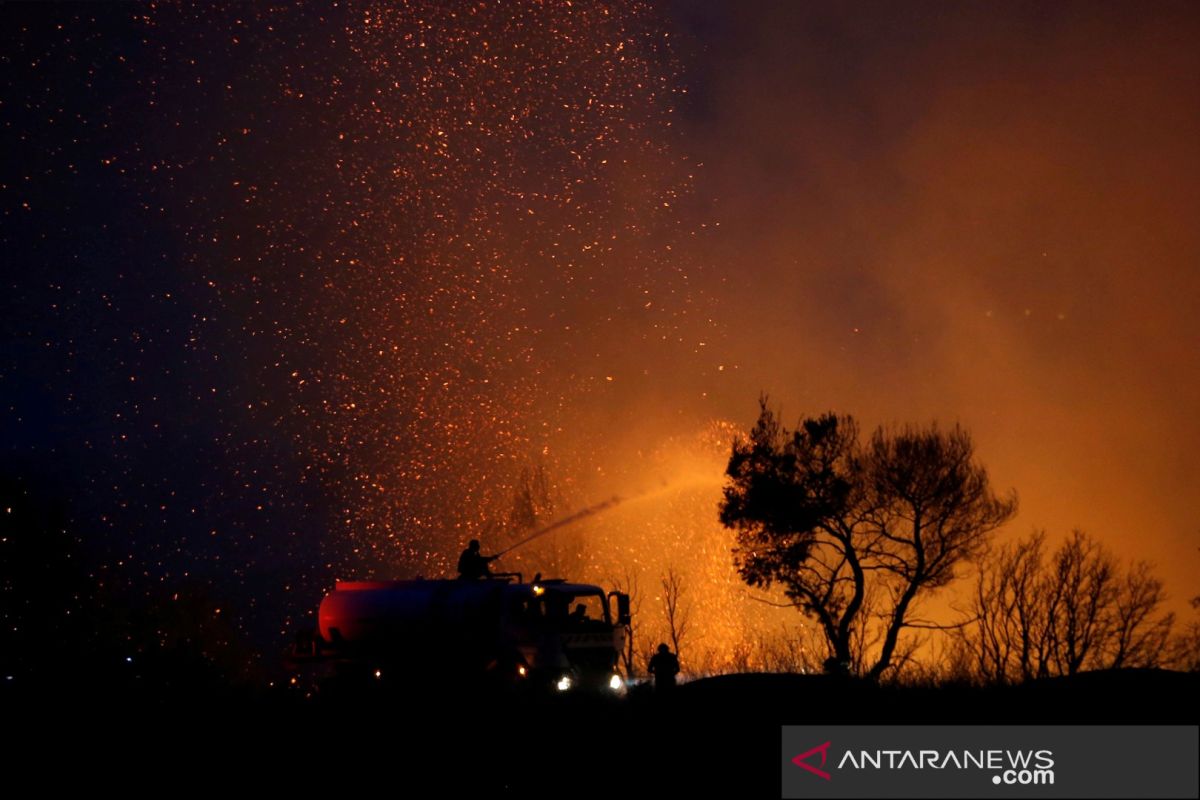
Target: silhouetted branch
(838,522)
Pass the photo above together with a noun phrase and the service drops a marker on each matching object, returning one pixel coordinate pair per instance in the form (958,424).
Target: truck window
(587,608)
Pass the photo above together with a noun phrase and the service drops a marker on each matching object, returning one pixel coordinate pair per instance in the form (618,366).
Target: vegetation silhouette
(856,533)
(1079,609)
(174,707)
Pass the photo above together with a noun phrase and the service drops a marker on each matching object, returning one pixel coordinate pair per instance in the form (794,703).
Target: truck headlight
(564,683)
(615,683)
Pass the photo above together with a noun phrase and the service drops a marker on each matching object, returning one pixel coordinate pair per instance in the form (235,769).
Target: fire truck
(551,634)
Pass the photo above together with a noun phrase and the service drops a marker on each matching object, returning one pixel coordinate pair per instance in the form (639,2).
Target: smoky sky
(982,213)
(294,294)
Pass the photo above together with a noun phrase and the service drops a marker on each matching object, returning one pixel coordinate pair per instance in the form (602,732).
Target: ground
(712,737)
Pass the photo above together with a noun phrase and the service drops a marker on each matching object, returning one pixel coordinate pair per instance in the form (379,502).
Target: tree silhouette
(1079,609)
(1185,649)
(1008,637)
(536,500)
(628,584)
(678,614)
(836,523)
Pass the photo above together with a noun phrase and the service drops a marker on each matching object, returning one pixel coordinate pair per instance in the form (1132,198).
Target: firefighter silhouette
(664,666)
(473,565)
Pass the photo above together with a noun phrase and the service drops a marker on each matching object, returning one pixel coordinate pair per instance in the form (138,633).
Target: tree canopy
(856,533)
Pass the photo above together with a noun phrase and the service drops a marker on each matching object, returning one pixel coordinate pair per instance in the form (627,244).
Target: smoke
(972,213)
(349,274)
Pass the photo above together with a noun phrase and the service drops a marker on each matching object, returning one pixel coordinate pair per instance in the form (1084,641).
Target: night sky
(295,293)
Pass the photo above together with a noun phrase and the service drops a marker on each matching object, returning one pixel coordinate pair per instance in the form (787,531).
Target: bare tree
(1082,592)
(828,518)
(1080,610)
(1185,649)
(1138,639)
(1009,635)
(678,614)
(628,584)
(535,502)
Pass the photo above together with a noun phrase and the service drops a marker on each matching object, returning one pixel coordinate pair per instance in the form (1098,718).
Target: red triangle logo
(823,749)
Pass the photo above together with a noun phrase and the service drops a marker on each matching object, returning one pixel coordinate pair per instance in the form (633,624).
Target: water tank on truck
(548,633)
